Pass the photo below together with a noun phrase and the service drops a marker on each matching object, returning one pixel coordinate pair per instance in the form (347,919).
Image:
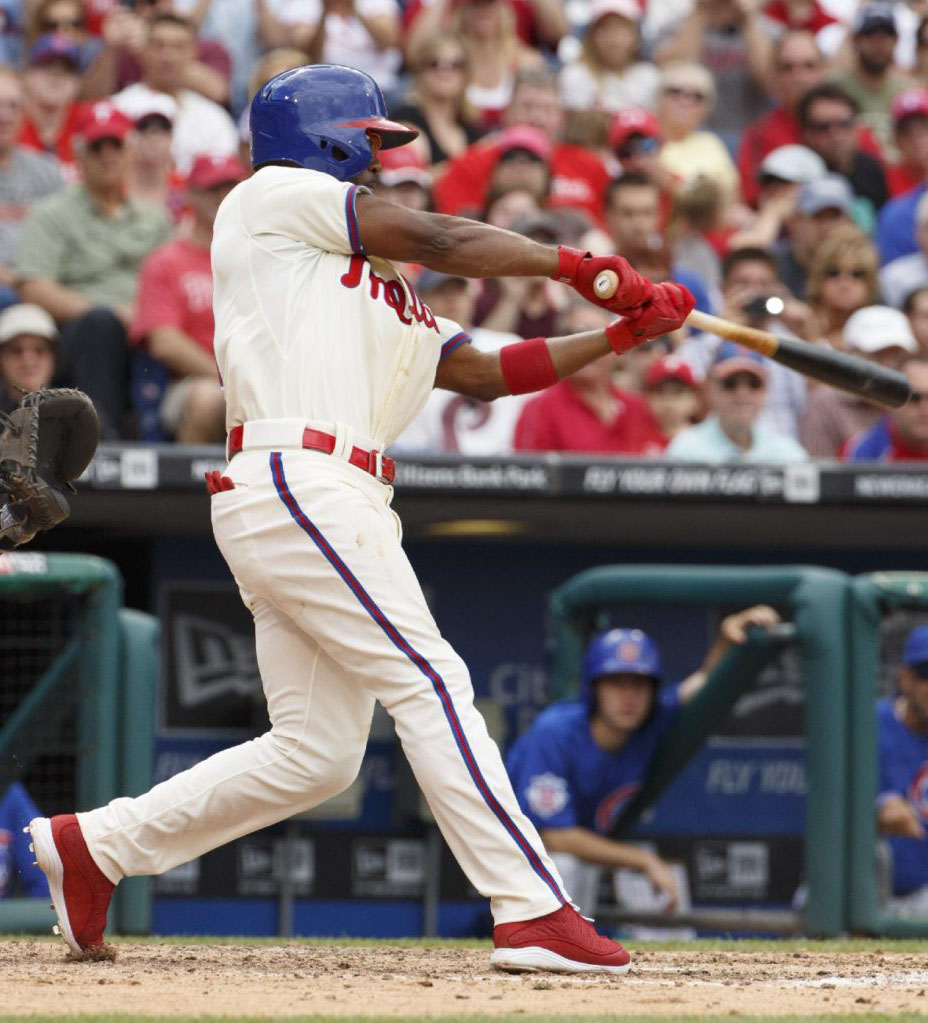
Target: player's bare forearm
(480,374)
(450,245)
(592,848)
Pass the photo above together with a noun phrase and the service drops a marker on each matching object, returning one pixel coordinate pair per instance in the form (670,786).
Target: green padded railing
(106,671)
(817,599)
(872,597)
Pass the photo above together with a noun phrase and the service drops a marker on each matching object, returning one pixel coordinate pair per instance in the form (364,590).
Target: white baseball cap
(794,163)
(26,319)
(630,9)
(877,327)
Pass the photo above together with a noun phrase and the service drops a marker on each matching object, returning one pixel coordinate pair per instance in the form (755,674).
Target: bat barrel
(868,379)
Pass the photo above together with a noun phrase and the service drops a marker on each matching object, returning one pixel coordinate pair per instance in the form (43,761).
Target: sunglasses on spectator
(98,145)
(920,670)
(845,124)
(679,92)
(733,382)
(798,65)
(644,144)
(917,398)
(62,24)
(445,65)
(857,272)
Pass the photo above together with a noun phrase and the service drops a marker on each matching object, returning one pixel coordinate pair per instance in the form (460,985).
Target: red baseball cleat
(563,942)
(80,891)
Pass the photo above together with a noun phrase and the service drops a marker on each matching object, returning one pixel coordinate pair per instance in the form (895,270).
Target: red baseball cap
(103,121)
(669,367)
(209,171)
(633,121)
(524,136)
(909,102)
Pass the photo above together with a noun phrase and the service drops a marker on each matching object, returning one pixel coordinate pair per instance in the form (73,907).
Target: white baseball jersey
(309,330)
(307,327)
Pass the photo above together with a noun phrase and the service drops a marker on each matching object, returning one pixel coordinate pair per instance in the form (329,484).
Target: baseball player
(902,802)
(16,867)
(582,760)
(326,354)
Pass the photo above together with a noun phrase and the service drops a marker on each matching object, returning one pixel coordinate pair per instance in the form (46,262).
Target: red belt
(315,440)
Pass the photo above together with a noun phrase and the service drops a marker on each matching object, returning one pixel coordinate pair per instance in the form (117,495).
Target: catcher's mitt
(44,444)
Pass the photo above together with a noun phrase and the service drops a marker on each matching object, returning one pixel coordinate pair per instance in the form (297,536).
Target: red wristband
(527,366)
(567,262)
(620,337)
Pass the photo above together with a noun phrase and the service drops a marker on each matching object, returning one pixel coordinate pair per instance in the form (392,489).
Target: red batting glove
(667,310)
(580,270)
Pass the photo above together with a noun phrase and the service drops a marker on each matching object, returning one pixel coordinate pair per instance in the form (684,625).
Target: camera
(763,306)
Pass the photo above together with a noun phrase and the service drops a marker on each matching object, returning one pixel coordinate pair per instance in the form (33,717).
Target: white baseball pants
(340,621)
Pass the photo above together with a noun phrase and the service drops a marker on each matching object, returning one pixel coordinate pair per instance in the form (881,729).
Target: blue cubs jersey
(562,779)
(903,767)
(16,867)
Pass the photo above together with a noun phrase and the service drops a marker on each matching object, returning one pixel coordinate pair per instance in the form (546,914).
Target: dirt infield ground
(261,981)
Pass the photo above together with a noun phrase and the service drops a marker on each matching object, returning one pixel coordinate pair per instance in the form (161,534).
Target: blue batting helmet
(318,117)
(619,651)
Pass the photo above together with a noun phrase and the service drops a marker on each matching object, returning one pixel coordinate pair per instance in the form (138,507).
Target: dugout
(814,600)
(80,673)
(883,607)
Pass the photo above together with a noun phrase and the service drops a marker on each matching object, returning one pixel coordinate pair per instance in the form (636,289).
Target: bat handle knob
(606,284)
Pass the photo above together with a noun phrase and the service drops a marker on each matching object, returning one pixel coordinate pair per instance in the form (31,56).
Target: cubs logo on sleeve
(547,795)
(917,793)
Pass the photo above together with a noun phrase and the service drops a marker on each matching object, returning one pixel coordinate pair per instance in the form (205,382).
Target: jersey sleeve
(539,770)
(452,336)
(307,206)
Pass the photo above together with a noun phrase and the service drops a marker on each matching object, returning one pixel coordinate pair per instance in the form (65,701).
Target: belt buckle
(375,464)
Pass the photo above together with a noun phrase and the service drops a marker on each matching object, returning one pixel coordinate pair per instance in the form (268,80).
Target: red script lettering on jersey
(391,292)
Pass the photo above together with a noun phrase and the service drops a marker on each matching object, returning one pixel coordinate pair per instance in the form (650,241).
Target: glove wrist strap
(620,337)
(568,261)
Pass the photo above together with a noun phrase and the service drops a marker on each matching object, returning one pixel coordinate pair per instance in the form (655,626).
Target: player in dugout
(580,761)
(902,800)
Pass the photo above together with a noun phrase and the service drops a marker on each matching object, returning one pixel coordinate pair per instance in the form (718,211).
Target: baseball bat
(868,380)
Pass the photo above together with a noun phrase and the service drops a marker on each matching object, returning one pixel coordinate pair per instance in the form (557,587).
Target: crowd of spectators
(771,155)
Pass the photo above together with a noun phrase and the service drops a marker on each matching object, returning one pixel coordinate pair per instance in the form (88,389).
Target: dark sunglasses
(920,670)
(785,66)
(98,145)
(736,379)
(858,273)
(444,65)
(820,127)
(917,398)
(678,92)
(62,24)
(642,145)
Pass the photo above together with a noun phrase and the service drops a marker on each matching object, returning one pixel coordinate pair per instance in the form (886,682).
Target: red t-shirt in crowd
(901,179)
(778,127)
(558,420)
(176,290)
(578,180)
(62,149)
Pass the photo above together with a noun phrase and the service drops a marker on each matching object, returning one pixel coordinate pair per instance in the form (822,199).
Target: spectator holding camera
(736,389)
(902,436)
(753,295)
(79,260)
(902,800)
(175,309)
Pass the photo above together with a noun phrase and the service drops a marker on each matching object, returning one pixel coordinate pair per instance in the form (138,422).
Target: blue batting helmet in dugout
(616,652)
(318,117)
